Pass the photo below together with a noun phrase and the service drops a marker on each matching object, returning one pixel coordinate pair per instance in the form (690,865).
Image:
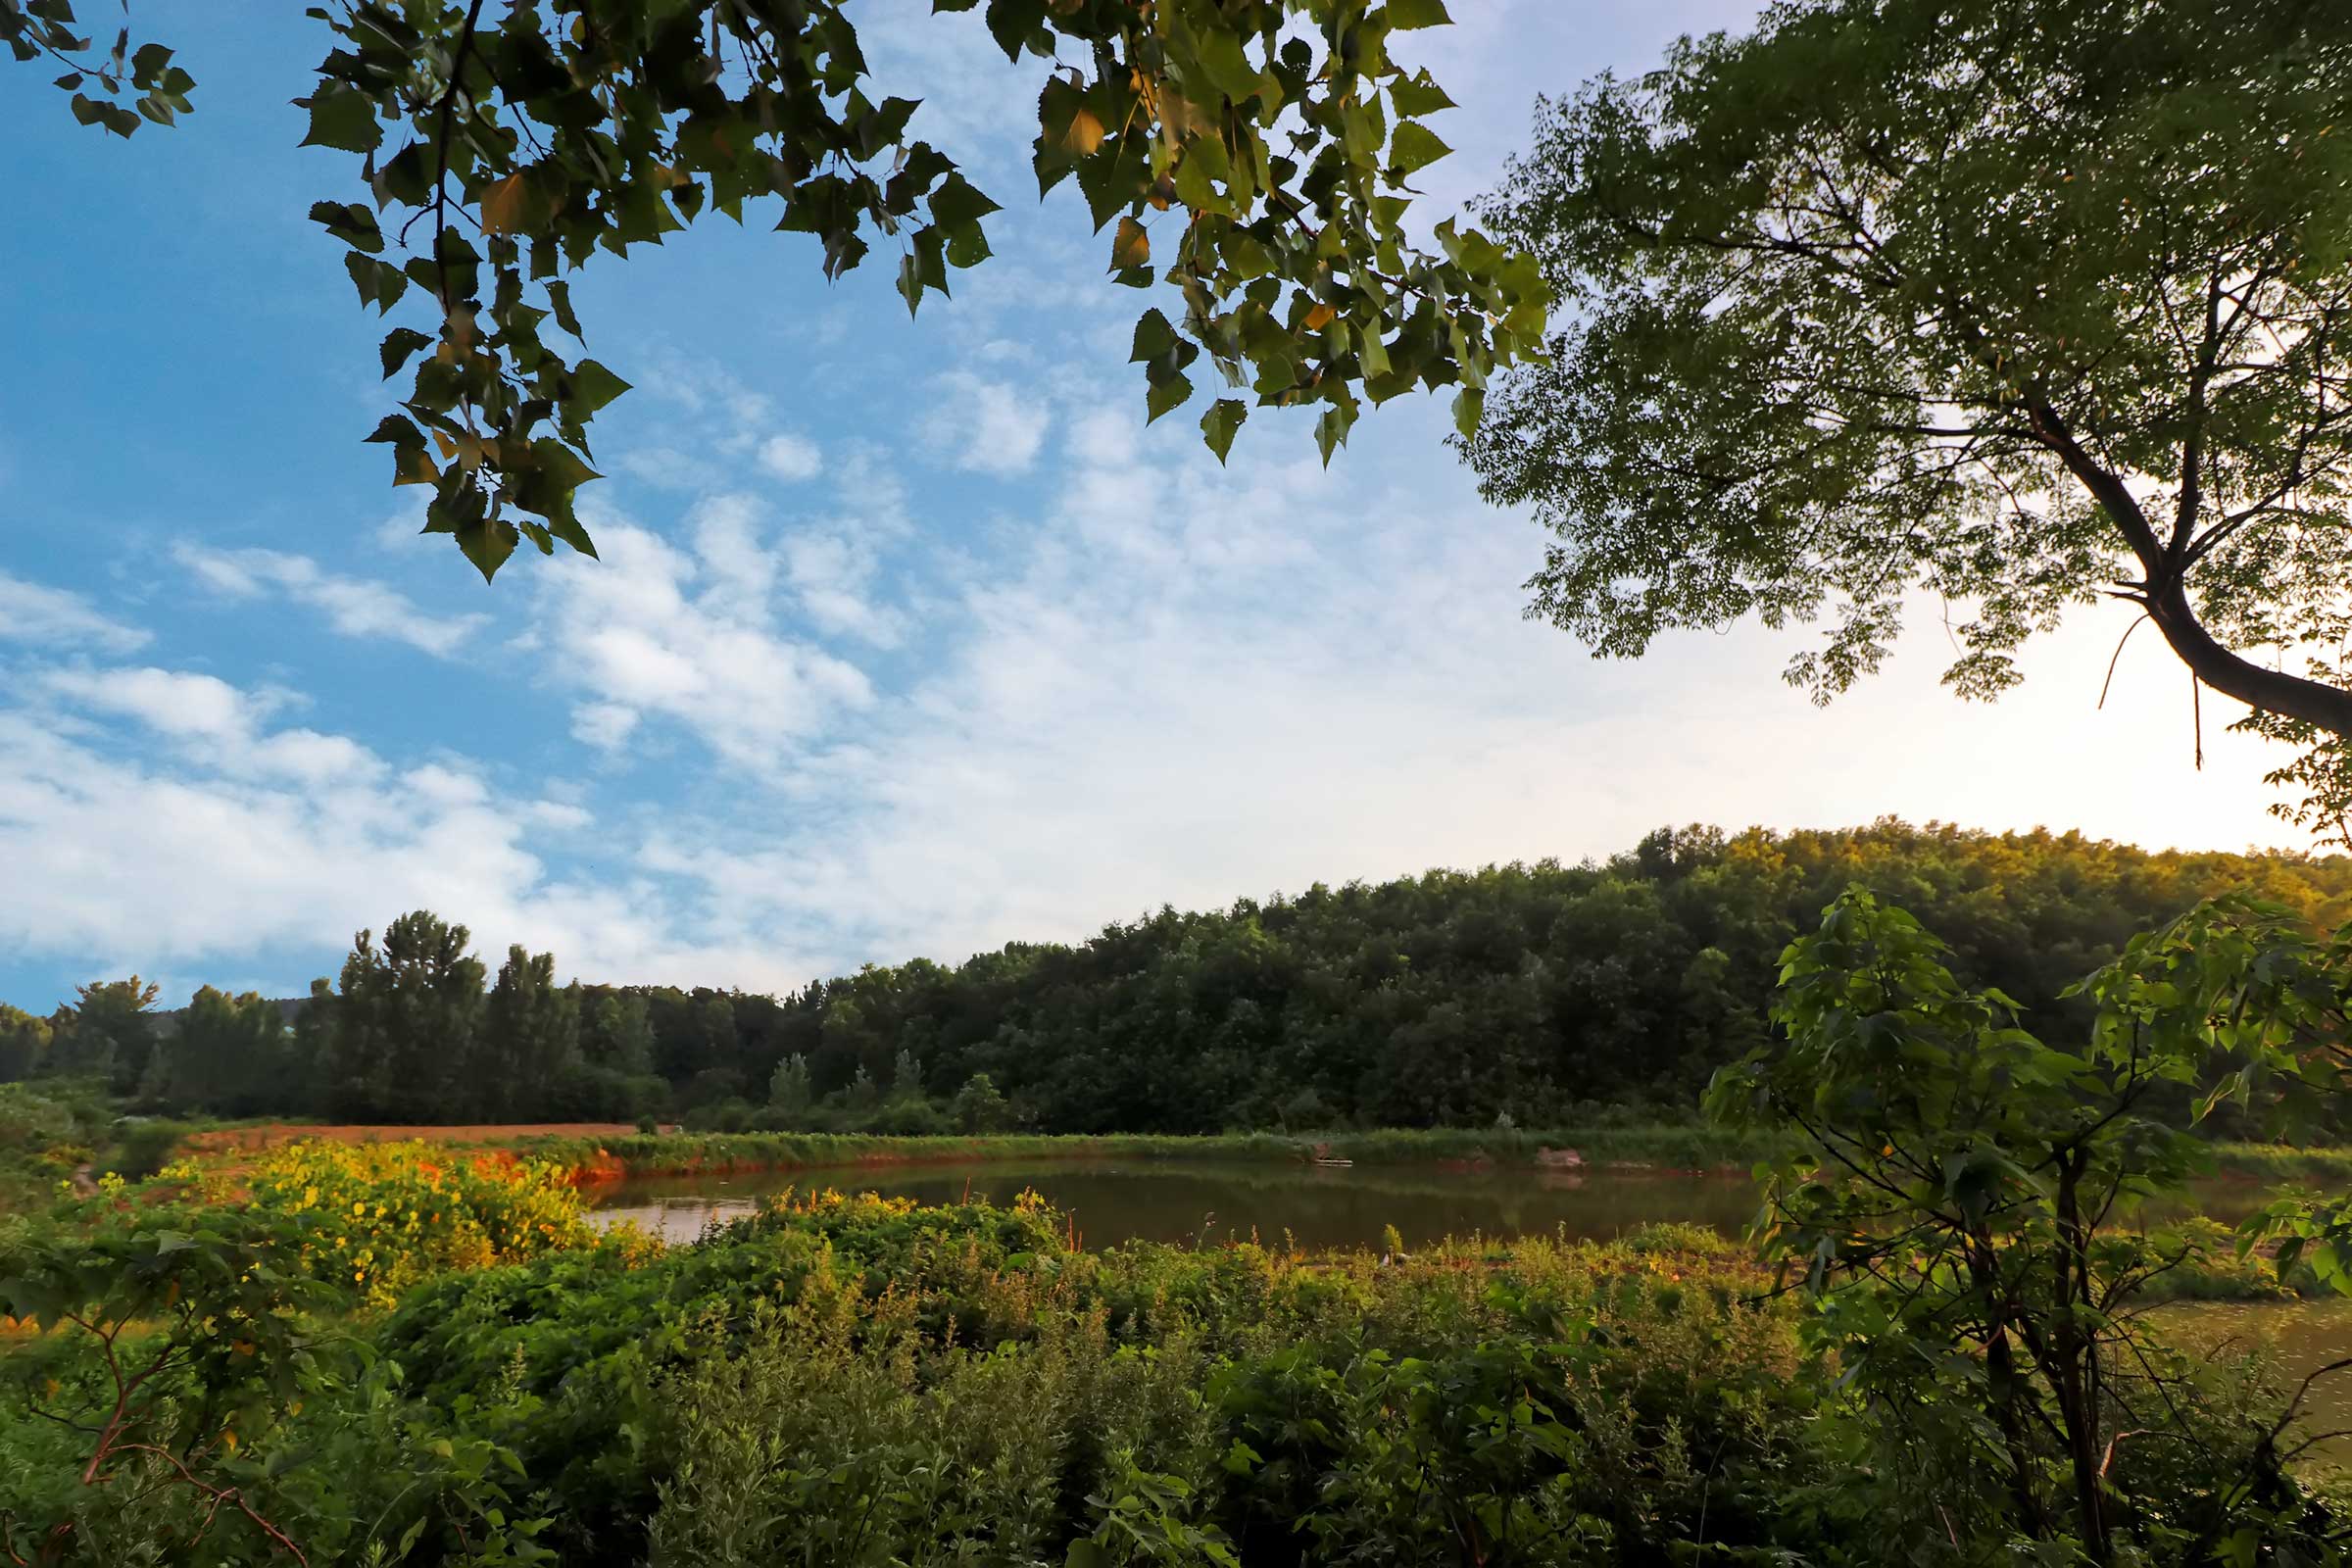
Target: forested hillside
(1533,992)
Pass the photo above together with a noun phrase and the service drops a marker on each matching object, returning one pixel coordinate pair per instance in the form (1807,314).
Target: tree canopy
(2016,303)
(1251,156)
(1537,993)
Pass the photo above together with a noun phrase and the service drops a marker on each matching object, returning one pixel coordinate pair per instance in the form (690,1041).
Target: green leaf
(1406,15)
(968,246)
(1131,247)
(1418,95)
(488,544)
(957,203)
(342,118)
(1414,147)
(1227,64)
(592,387)
(559,295)
(1330,430)
(1218,424)
(398,432)
(1469,404)
(1166,392)
(1154,337)
(398,345)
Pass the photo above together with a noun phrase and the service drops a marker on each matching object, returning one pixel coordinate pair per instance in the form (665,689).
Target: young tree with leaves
(2020,304)
(1954,1203)
(790,1092)
(1252,157)
(531,1039)
(405,1023)
(107,1032)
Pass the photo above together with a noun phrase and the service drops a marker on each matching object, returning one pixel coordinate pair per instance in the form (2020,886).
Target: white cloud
(831,576)
(170,702)
(32,612)
(665,468)
(790,458)
(562,815)
(989,427)
(606,726)
(257,858)
(691,634)
(354,607)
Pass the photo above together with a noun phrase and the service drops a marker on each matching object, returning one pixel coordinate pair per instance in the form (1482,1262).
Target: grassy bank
(2282,1164)
(1677,1147)
(1663,1146)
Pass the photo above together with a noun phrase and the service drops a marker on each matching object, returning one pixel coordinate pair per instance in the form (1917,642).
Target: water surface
(1314,1206)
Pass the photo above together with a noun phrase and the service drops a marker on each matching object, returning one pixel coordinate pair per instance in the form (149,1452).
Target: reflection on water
(2298,1336)
(1163,1200)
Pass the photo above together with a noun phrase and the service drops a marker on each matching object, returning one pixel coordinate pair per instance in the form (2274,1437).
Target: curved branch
(2165,596)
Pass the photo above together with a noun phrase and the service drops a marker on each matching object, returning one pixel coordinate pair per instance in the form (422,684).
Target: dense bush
(375,1219)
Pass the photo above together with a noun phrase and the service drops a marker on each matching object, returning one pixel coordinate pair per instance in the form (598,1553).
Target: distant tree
(618,1034)
(24,1044)
(978,1107)
(1278,138)
(530,1038)
(860,1096)
(790,1093)
(714,1021)
(228,1054)
(906,1076)
(310,1053)
(108,1031)
(2017,305)
(404,1024)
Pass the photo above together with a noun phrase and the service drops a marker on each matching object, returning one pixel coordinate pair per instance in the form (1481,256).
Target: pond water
(2298,1338)
(1315,1206)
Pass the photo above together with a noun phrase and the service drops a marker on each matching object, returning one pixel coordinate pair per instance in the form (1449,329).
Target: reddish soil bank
(276,1133)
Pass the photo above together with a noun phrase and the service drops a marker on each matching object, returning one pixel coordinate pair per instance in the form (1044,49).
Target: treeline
(1538,994)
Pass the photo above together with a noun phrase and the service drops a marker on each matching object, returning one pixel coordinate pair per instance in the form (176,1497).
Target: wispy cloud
(790,458)
(691,634)
(44,617)
(253,851)
(356,607)
(170,702)
(988,426)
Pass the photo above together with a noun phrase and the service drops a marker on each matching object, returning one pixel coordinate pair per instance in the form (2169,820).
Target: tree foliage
(2015,302)
(229,1055)
(1545,993)
(1963,1204)
(1253,157)
(405,1023)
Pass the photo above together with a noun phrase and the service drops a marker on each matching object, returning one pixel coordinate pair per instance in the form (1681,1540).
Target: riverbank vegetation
(863,1381)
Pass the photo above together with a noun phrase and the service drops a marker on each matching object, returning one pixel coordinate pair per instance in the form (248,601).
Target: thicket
(860,1381)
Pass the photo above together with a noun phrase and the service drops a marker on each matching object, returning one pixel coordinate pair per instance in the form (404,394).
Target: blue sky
(908,638)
